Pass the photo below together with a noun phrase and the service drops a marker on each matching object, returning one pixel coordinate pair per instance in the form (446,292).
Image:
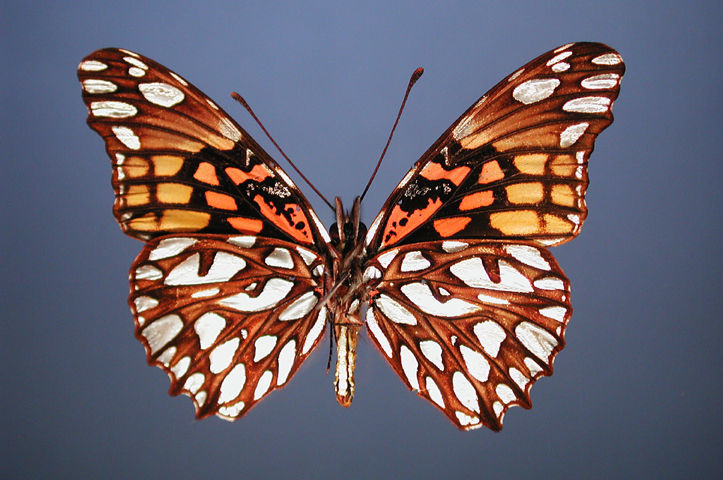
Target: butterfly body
(452,280)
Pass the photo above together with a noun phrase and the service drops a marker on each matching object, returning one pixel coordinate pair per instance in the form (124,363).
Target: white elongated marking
(264,383)
(133,54)
(580,157)
(135,62)
(286,361)
(373,228)
(555,313)
(564,47)
(194,382)
(477,364)
(454,246)
(320,226)
(127,137)
(470,422)
(536,339)
(433,390)
(472,272)
(209,292)
(549,283)
(285,177)
(161,93)
(432,352)
(201,398)
(229,130)
(318,271)
(179,79)
(162,331)
(263,346)
(490,335)
(144,303)
(148,272)
(372,272)
(181,366)
(386,258)
(408,176)
(414,262)
(518,377)
(603,81)
(243,241)
(92,66)
(410,366)
(212,104)
(208,327)
(558,58)
(231,411)
(315,331)
(532,366)
(587,105)
(141,320)
(490,299)
(223,268)
(136,72)
(607,59)
(497,407)
(444,291)
(535,90)
(222,355)
(300,307)
(377,333)
(167,355)
(421,295)
(279,257)
(464,391)
(275,290)
(528,255)
(95,86)
(112,109)
(232,384)
(505,393)
(515,75)
(571,134)
(307,255)
(170,247)
(560,67)
(394,311)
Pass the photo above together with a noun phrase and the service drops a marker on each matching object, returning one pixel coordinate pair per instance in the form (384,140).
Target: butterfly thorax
(347,292)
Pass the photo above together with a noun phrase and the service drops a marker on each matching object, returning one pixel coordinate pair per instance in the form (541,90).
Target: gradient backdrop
(636,393)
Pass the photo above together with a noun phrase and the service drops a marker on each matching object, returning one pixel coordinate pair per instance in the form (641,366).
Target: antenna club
(415,76)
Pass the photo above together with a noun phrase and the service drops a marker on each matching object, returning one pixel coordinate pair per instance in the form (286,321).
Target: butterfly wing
(470,326)
(514,165)
(180,163)
(229,318)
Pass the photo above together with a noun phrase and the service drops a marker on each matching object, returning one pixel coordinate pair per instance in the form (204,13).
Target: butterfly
(239,279)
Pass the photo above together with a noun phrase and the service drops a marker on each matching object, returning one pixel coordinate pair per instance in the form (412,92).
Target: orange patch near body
(289,227)
(400,223)
(246,225)
(206,173)
(491,172)
(477,200)
(220,200)
(434,171)
(238,176)
(446,227)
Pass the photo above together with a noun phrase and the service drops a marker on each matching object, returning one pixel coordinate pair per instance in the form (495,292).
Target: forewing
(228,318)
(469,325)
(514,165)
(180,163)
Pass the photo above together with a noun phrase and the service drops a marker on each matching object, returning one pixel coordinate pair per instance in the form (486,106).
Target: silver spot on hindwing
(161,93)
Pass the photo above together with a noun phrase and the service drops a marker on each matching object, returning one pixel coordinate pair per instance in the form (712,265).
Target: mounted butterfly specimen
(238,278)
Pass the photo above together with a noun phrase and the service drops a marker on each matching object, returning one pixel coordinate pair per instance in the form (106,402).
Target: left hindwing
(469,325)
(513,166)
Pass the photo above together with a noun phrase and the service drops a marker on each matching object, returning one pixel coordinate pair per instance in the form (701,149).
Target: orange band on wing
(220,200)
(477,200)
(206,173)
(246,225)
(434,171)
(238,176)
(491,172)
(446,227)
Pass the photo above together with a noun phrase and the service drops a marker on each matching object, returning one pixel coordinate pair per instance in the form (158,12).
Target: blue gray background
(636,393)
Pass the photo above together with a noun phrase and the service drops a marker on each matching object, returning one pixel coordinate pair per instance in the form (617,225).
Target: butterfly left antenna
(243,102)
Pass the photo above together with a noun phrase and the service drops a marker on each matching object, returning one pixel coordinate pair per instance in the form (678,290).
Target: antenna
(243,102)
(412,80)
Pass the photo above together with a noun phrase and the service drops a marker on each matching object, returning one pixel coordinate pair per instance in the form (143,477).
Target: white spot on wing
(532,366)
(465,392)
(528,255)
(386,258)
(144,303)
(127,137)
(223,268)
(467,421)
(315,331)
(280,257)
(377,333)
(394,311)
(558,58)
(93,85)
(161,93)
(232,384)
(167,355)
(560,67)
(209,292)
(421,295)
(477,364)
(587,105)
(414,262)
(373,228)
(571,134)
(136,72)
(135,62)
(275,290)
(286,361)
(222,355)
(536,339)
(263,346)
(371,272)
(307,255)
(208,326)
(170,247)
(162,331)
(264,383)
(243,241)
(194,382)
(603,81)
(535,90)
(518,377)
(181,367)
(555,313)
(92,66)
(472,272)
(607,59)
(148,272)
(505,393)
(454,246)
(300,307)
(490,336)
(434,393)
(230,411)
(409,366)
(229,130)
(179,78)
(113,109)
(433,352)
(549,283)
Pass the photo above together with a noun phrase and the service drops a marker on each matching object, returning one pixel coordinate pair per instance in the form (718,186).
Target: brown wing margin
(514,165)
